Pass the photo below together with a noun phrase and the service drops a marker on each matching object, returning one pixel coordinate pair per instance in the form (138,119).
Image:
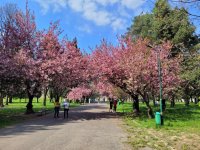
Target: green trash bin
(158,118)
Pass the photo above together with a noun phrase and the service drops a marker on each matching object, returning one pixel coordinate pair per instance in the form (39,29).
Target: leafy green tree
(191,77)
(165,23)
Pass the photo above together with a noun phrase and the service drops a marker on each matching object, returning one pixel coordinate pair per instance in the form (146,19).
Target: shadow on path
(82,113)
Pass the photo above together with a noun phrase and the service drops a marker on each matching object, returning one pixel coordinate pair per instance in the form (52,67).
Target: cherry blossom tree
(132,66)
(49,55)
(79,92)
(144,77)
(7,47)
(63,66)
(105,61)
(28,68)
(73,69)
(18,37)
(104,89)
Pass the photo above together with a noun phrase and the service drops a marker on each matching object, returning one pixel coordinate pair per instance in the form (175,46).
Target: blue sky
(88,20)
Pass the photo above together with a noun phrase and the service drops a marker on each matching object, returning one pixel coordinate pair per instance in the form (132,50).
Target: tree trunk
(6,99)
(87,100)
(149,110)
(30,94)
(195,100)
(10,99)
(172,102)
(84,98)
(1,100)
(187,102)
(29,106)
(154,101)
(136,109)
(57,97)
(185,96)
(191,99)
(45,96)
(163,104)
(51,95)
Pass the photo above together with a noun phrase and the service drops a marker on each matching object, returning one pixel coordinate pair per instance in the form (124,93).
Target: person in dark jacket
(111,104)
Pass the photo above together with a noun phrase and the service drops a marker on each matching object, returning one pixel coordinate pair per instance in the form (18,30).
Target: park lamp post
(157,49)
(159,116)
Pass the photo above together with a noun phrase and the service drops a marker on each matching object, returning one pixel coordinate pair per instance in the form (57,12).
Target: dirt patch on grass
(188,141)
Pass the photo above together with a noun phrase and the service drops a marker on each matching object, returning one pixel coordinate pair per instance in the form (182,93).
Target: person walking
(56,108)
(111,104)
(115,105)
(66,107)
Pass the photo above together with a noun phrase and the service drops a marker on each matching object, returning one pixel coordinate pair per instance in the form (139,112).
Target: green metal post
(160,84)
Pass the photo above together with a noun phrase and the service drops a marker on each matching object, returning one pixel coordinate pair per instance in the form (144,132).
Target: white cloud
(76,5)
(123,12)
(85,28)
(96,11)
(106,2)
(118,24)
(90,11)
(47,4)
(132,4)
(98,17)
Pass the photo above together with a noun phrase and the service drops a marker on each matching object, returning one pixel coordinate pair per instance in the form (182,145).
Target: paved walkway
(89,127)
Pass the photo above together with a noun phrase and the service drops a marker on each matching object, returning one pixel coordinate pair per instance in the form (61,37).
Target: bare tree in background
(192,6)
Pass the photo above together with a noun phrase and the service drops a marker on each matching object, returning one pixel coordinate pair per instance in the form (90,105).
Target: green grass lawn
(14,112)
(181,128)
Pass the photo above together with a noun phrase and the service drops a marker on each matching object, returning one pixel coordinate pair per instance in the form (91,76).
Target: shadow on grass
(178,113)
(183,113)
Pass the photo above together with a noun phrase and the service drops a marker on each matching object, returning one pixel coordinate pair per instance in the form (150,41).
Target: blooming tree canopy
(132,66)
(78,93)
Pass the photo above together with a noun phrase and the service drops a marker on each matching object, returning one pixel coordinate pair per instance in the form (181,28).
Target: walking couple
(65,106)
(113,105)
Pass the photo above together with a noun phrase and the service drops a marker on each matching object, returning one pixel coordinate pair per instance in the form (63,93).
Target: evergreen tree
(165,23)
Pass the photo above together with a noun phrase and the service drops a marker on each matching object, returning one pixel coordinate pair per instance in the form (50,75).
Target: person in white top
(66,107)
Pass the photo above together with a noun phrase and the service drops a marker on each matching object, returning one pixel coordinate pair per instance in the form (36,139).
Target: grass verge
(181,128)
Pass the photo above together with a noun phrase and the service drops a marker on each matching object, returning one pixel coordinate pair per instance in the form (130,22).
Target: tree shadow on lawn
(182,114)
(175,114)
(47,122)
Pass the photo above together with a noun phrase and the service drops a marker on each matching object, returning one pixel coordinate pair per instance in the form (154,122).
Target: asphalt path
(89,127)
